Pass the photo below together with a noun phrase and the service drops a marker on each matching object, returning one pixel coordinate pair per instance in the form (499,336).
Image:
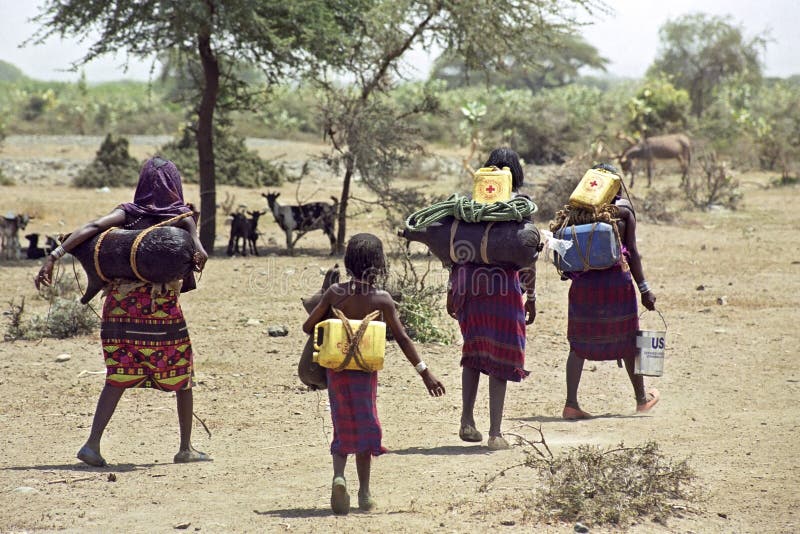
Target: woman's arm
(527,278)
(87,231)
(387,307)
(200,254)
(635,260)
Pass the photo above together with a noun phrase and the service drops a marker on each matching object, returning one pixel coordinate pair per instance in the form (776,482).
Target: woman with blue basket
(603,312)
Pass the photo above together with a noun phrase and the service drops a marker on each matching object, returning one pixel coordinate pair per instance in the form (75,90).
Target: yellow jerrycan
(597,187)
(331,345)
(492,185)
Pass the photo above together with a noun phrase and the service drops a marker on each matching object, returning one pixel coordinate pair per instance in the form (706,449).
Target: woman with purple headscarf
(144,335)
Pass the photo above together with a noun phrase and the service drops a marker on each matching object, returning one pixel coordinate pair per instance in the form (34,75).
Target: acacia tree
(700,52)
(373,136)
(555,66)
(277,36)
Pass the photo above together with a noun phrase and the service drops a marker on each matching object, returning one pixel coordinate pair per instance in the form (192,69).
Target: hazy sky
(628,38)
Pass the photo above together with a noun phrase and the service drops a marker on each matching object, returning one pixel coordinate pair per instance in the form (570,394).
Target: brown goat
(673,146)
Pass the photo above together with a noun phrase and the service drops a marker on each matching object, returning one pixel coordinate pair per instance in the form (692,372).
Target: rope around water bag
(465,209)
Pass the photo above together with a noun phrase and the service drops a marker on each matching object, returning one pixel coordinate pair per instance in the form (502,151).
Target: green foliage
(113,166)
(658,108)
(235,163)
(699,52)
(419,302)
(66,316)
(549,126)
(776,128)
(554,64)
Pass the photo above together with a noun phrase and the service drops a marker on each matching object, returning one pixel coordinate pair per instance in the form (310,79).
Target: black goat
(34,251)
(246,230)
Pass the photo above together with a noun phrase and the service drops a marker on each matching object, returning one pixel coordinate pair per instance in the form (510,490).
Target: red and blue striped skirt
(354,412)
(491,315)
(603,314)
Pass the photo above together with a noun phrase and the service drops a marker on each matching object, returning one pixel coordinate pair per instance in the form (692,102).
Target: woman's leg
(187,453)
(574,372)
(106,404)
(340,499)
(643,401)
(363,464)
(497,397)
(185,408)
(469,392)
(637,381)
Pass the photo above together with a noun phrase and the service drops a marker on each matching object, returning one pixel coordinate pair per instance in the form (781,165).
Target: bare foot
(92,457)
(573,414)
(186,456)
(653,396)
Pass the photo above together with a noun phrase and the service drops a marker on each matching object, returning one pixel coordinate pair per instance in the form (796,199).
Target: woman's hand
(435,388)
(649,300)
(200,257)
(45,276)
(530,311)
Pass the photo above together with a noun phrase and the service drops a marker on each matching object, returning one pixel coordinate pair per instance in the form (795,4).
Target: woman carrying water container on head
(603,313)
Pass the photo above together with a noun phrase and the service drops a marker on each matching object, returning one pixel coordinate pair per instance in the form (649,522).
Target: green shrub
(66,317)
(113,166)
(235,163)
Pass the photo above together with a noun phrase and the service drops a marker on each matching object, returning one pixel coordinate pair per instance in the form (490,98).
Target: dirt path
(729,393)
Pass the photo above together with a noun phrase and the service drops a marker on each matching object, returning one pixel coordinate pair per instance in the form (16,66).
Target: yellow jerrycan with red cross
(492,185)
(597,187)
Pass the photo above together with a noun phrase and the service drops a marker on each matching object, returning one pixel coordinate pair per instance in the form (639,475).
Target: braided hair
(364,258)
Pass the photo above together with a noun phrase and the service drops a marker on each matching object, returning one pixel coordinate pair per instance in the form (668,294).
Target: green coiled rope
(465,209)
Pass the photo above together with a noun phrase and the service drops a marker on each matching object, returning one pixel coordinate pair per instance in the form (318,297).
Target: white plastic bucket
(652,346)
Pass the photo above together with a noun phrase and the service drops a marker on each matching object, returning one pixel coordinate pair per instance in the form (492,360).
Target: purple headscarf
(159,192)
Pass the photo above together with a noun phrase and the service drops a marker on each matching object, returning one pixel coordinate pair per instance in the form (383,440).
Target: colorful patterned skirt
(490,311)
(145,339)
(354,411)
(603,314)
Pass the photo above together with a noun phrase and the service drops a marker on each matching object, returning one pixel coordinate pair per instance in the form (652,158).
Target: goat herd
(10,225)
(295,221)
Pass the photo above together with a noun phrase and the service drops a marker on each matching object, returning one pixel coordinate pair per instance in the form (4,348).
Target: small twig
(70,480)
(202,423)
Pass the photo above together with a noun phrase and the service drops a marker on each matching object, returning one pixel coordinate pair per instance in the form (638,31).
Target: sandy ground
(729,391)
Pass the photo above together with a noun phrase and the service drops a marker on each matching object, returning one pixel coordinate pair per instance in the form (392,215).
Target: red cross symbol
(490,189)
(593,183)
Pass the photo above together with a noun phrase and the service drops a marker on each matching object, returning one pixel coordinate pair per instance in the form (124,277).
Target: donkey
(673,146)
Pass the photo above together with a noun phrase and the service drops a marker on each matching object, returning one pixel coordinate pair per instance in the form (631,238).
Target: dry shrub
(716,187)
(65,316)
(419,297)
(596,486)
(558,182)
(618,485)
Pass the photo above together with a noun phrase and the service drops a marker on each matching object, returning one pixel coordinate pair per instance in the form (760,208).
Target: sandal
(365,502)
(91,457)
(191,455)
(340,499)
(470,433)
(653,396)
